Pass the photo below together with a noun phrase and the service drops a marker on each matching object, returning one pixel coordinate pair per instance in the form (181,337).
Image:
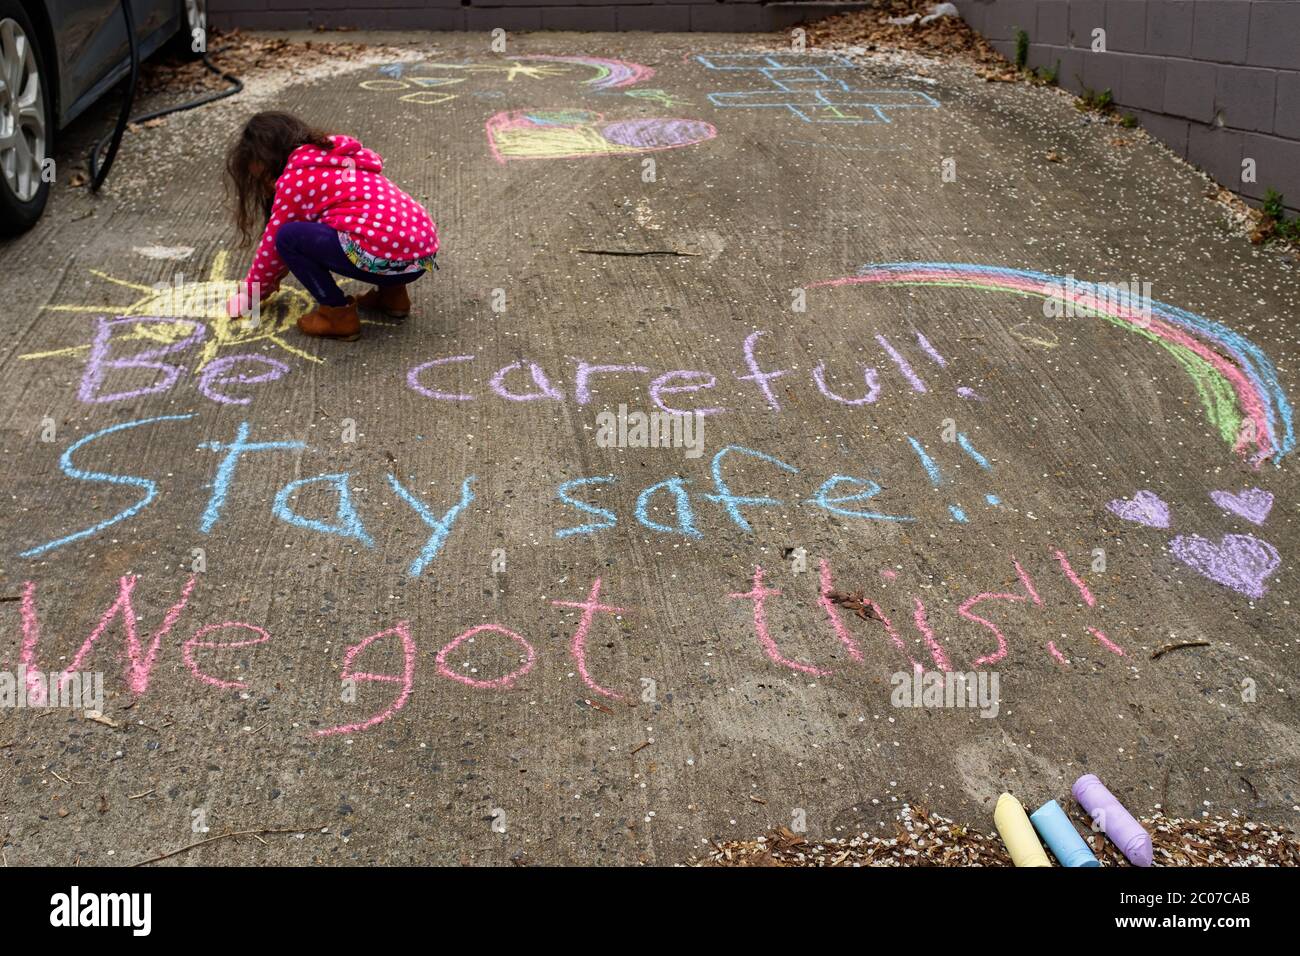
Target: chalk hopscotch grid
(815,93)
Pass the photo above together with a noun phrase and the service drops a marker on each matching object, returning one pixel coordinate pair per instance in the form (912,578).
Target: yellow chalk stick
(1018,833)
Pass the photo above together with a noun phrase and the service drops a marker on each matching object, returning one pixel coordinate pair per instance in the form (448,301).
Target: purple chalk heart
(1240,561)
(1145,507)
(1253,504)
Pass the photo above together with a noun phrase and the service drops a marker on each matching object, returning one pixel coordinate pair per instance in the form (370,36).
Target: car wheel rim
(22,113)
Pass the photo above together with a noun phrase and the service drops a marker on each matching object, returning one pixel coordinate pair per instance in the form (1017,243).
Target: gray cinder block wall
(726,16)
(1217,80)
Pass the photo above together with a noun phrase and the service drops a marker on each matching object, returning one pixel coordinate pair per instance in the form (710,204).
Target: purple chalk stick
(1117,823)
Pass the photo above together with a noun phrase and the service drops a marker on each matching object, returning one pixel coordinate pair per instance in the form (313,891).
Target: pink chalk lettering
(544,387)
(824,591)
(1077,581)
(965,611)
(31,637)
(581,387)
(98,364)
(217,374)
(578,646)
(660,387)
(413,379)
(139,664)
(936,649)
(1028,583)
(868,375)
(1106,642)
(756,373)
(1060,658)
(197,642)
(759,595)
(500,683)
(407,679)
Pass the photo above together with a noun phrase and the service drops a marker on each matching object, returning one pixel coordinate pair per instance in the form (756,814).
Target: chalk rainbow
(610,74)
(1234,379)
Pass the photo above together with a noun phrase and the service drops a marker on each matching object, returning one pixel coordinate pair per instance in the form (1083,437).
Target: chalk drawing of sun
(202,301)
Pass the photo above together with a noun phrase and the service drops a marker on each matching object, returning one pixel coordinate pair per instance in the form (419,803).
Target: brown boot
(332,322)
(392,300)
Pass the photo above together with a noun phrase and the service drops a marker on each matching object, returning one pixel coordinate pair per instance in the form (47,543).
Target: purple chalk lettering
(544,387)
(868,375)
(216,374)
(581,390)
(413,380)
(660,387)
(99,362)
(758,375)
(903,365)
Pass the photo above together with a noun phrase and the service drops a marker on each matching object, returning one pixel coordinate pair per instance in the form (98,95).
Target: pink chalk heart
(1253,504)
(1145,507)
(1240,561)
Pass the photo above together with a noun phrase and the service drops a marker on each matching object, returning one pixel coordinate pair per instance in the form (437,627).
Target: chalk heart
(1145,507)
(1253,504)
(1240,561)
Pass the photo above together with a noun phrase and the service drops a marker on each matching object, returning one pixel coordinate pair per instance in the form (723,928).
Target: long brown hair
(255,160)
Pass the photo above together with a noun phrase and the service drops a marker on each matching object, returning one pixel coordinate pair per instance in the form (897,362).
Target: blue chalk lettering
(69,469)
(347,523)
(969,449)
(822,500)
(609,517)
(732,502)
(226,470)
(685,515)
(441,526)
(927,462)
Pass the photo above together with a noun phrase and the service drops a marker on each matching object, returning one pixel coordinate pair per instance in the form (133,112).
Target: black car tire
(16,216)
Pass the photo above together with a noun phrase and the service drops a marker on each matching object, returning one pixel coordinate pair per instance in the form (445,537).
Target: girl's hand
(241,303)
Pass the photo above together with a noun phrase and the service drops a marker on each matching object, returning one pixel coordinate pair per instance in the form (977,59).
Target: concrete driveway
(422,599)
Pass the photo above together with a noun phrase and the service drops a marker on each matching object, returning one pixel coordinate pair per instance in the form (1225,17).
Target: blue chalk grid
(817,89)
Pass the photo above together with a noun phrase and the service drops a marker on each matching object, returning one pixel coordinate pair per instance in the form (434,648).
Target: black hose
(99,173)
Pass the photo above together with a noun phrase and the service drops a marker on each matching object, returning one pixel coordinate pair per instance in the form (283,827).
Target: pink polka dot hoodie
(381,228)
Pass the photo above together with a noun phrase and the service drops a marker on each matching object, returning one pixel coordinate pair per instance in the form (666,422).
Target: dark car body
(81,52)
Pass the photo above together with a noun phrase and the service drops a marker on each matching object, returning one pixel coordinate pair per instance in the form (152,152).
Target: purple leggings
(312,251)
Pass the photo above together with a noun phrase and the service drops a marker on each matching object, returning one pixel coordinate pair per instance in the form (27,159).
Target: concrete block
(1142,82)
(1086,16)
(1277,166)
(1217,151)
(1189,89)
(1286,112)
(1169,27)
(1126,26)
(1274,34)
(1244,98)
(1220,30)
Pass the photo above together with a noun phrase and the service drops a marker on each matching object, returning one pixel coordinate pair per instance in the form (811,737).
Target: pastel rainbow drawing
(1235,381)
(566,133)
(610,74)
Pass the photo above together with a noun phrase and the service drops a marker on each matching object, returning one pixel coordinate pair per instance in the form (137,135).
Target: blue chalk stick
(1061,837)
